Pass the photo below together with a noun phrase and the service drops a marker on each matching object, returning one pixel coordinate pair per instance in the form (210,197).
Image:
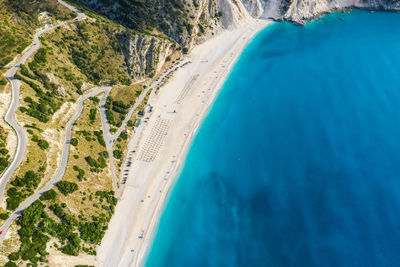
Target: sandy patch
(60,113)
(55,139)
(57,259)
(5,99)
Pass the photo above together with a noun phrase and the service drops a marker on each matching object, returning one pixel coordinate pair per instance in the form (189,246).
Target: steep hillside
(18,19)
(183,21)
(186,21)
(300,11)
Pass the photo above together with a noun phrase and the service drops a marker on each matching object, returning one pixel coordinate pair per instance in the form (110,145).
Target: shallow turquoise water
(298,162)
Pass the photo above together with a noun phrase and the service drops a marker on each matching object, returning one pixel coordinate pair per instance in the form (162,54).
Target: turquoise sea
(298,161)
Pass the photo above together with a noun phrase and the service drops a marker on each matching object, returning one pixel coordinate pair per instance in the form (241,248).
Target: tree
(49,195)
(91,232)
(66,188)
(10,264)
(117,154)
(43,144)
(74,141)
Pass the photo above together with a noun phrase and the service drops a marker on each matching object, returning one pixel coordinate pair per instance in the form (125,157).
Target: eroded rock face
(144,54)
(301,10)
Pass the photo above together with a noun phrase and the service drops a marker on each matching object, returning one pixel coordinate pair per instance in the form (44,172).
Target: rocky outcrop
(144,55)
(300,11)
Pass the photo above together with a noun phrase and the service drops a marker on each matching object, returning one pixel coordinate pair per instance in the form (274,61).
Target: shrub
(117,154)
(109,196)
(74,141)
(104,154)
(91,161)
(29,180)
(13,202)
(92,115)
(91,232)
(13,256)
(43,144)
(49,195)
(40,56)
(81,173)
(95,99)
(100,139)
(66,187)
(10,264)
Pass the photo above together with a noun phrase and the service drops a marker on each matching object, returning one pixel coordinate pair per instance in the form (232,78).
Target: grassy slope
(81,53)
(67,217)
(18,19)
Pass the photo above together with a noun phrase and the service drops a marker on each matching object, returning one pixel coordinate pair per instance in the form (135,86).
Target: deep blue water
(298,162)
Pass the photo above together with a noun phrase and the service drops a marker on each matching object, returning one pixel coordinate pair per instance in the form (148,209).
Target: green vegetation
(21,188)
(81,173)
(49,99)
(3,81)
(73,216)
(49,195)
(66,188)
(10,264)
(96,165)
(91,232)
(100,138)
(144,16)
(33,241)
(123,135)
(37,224)
(117,154)
(74,141)
(4,216)
(117,107)
(4,155)
(108,196)
(92,115)
(18,19)
(94,50)
(43,144)
(95,100)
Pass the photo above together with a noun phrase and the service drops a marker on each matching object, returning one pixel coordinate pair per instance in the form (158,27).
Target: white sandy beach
(164,141)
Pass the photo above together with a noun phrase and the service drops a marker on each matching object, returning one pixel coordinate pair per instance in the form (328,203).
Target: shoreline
(191,92)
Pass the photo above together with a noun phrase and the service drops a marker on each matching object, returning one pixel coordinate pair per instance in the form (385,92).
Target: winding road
(22,137)
(63,165)
(108,138)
